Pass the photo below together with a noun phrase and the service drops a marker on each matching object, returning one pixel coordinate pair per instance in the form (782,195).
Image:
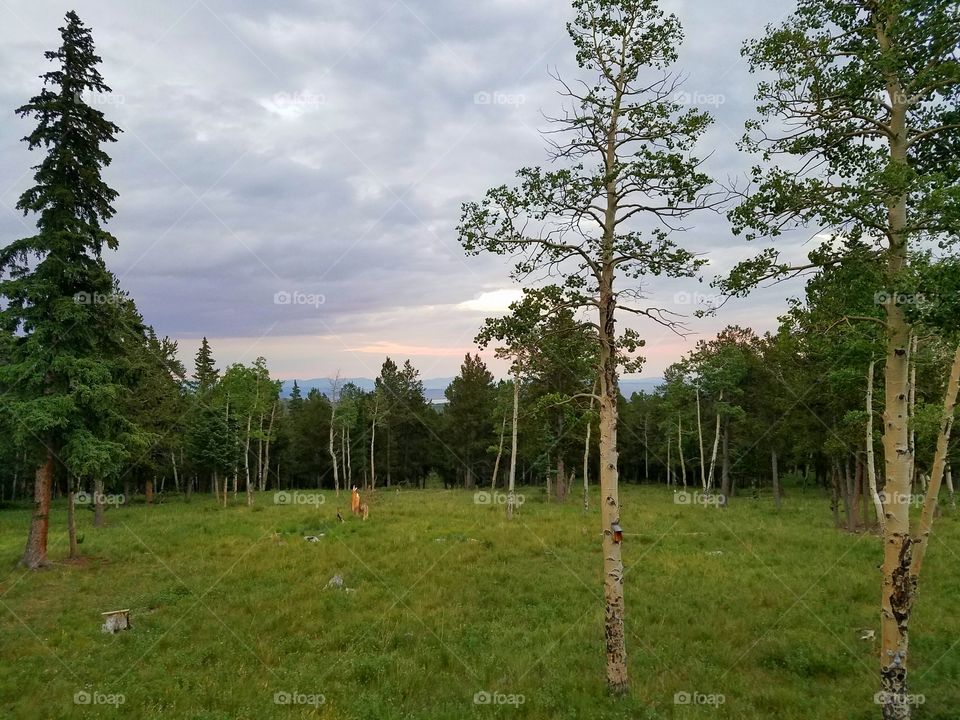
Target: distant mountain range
(433,387)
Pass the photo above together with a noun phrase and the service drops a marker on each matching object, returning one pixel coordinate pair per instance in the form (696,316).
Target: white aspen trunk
(266,453)
(871,463)
(511,487)
(343,454)
(898,591)
(176,477)
(349,461)
(669,447)
(246,462)
(683,467)
(72,520)
(922,536)
(496,464)
(703,461)
(953,502)
(373,436)
(586,459)
(713,455)
(333,452)
(260,457)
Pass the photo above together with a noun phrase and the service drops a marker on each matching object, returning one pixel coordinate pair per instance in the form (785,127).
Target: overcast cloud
(324,148)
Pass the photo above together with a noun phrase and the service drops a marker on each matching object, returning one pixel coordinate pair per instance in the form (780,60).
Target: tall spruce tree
(54,282)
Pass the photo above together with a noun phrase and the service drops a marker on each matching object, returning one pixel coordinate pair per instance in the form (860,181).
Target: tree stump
(116,620)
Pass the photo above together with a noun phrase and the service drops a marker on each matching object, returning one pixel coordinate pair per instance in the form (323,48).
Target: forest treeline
(736,415)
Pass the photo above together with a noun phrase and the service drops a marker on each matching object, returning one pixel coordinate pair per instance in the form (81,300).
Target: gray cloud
(326,149)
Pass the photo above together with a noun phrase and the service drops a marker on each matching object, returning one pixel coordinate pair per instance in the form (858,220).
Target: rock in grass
(115,620)
(336,582)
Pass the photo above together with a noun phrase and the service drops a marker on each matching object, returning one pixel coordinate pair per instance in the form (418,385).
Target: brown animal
(364,510)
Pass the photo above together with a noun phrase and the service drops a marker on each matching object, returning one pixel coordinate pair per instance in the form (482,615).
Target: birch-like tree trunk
(703,460)
(511,484)
(683,467)
(871,463)
(72,519)
(586,456)
(266,453)
(246,461)
(496,464)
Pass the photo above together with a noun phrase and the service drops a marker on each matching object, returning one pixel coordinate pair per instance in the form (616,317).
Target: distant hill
(433,387)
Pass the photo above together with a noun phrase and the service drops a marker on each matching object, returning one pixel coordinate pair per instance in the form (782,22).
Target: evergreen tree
(55,286)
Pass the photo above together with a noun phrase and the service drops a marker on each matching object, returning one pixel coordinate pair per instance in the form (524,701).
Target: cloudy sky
(322,149)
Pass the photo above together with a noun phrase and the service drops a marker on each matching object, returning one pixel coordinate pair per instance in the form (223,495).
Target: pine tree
(205,373)
(55,286)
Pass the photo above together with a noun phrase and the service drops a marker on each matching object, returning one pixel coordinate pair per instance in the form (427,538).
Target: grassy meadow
(449,611)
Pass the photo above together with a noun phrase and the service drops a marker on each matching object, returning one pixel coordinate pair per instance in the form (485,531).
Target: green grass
(448,599)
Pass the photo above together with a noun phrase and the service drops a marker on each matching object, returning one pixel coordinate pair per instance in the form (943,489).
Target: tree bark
(333,452)
(776,477)
(614,615)
(72,520)
(871,463)
(949,478)
(898,591)
(703,459)
(922,536)
(511,488)
(148,491)
(246,462)
(586,455)
(725,485)
(98,506)
(496,464)
(713,455)
(373,435)
(683,467)
(266,452)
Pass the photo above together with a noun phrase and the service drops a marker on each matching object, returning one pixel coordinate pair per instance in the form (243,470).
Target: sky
(291,173)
